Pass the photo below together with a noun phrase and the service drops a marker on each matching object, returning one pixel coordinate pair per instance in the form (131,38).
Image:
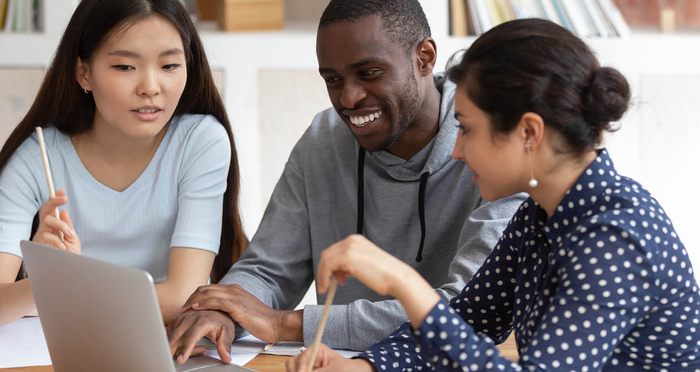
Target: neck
(557,179)
(105,142)
(422,129)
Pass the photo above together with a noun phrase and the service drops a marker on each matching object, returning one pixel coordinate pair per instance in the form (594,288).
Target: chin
(493,195)
(146,130)
(370,145)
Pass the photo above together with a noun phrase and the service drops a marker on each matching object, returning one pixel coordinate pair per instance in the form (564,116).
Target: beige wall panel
(19,87)
(306,11)
(289,100)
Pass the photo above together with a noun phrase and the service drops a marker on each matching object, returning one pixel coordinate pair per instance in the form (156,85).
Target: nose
(456,151)
(352,94)
(149,86)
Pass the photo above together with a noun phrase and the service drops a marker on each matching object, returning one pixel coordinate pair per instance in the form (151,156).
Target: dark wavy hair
(534,65)
(62,103)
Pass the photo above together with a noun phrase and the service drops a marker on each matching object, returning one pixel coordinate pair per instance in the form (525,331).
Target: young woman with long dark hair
(139,139)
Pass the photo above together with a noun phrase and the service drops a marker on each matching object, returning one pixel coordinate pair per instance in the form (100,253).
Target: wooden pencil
(47,170)
(322,324)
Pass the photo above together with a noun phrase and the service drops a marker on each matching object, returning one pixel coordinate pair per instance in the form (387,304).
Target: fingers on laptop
(187,329)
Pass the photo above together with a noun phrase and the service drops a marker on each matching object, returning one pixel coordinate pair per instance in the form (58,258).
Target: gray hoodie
(315,204)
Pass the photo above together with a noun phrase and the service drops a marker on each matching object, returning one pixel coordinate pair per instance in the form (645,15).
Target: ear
(531,128)
(82,74)
(427,55)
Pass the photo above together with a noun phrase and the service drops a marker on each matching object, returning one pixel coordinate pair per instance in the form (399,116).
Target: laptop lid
(99,316)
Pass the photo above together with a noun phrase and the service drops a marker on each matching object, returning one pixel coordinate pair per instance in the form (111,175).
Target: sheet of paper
(22,344)
(348,353)
(237,357)
(251,344)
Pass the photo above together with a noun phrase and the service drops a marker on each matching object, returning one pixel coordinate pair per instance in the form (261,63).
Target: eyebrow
(365,62)
(128,53)
(354,66)
(459,114)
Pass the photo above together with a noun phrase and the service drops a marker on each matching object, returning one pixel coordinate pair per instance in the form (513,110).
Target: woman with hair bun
(590,274)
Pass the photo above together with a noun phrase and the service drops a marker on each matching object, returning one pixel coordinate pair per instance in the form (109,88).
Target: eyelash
(462,128)
(126,68)
(368,73)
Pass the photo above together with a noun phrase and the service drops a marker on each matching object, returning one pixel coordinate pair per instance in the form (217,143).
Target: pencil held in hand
(47,170)
(322,324)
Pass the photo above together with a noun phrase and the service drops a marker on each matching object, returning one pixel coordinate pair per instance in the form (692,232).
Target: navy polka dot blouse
(605,284)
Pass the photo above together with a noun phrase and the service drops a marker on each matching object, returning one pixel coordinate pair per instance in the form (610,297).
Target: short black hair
(404,20)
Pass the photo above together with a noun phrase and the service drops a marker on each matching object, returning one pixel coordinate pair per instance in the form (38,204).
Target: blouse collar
(583,199)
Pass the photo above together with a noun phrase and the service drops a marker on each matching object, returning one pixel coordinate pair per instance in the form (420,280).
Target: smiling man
(378,163)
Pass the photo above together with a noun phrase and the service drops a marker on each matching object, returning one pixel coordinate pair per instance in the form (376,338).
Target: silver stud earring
(533,182)
(85,89)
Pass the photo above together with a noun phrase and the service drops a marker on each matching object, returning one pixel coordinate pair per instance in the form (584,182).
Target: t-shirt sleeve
(201,186)
(20,196)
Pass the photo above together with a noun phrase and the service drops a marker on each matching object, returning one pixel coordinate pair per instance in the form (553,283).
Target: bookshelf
(21,16)
(585,18)
(657,135)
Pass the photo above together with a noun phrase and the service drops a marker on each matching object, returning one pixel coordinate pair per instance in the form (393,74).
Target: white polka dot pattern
(605,284)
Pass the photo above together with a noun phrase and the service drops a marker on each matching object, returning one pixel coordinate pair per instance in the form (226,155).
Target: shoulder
(28,154)
(201,126)
(626,224)
(195,133)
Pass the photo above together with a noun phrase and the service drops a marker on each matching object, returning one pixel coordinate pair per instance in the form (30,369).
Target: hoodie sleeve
(479,236)
(358,325)
(276,267)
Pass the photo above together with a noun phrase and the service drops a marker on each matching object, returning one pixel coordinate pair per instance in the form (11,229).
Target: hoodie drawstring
(360,190)
(361,201)
(421,213)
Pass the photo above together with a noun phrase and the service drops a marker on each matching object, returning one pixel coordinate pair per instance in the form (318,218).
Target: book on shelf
(687,12)
(585,18)
(458,18)
(21,16)
(3,9)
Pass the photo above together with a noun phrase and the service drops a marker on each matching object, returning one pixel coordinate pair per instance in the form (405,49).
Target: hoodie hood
(438,152)
(427,161)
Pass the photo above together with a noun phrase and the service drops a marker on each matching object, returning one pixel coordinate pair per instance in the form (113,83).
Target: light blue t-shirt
(176,202)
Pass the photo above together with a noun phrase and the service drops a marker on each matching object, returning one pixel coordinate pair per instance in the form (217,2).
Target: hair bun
(606,98)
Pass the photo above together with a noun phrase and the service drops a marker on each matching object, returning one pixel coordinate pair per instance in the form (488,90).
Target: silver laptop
(99,316)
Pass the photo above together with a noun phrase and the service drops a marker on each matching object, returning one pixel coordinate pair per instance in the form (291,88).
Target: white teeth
(147,111)
(361,121)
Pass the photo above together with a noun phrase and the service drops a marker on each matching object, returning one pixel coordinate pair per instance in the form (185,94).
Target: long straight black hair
(62,103)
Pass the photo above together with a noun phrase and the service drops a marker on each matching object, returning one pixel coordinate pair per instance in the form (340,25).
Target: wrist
(361,364)
(405,281)
(417,296)
(292,326)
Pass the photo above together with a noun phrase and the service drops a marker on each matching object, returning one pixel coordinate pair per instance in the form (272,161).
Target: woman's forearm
(16,301)
(170,298)
(416,295)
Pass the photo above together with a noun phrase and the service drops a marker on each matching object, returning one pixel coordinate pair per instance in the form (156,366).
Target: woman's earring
(533,181)
(85,89)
